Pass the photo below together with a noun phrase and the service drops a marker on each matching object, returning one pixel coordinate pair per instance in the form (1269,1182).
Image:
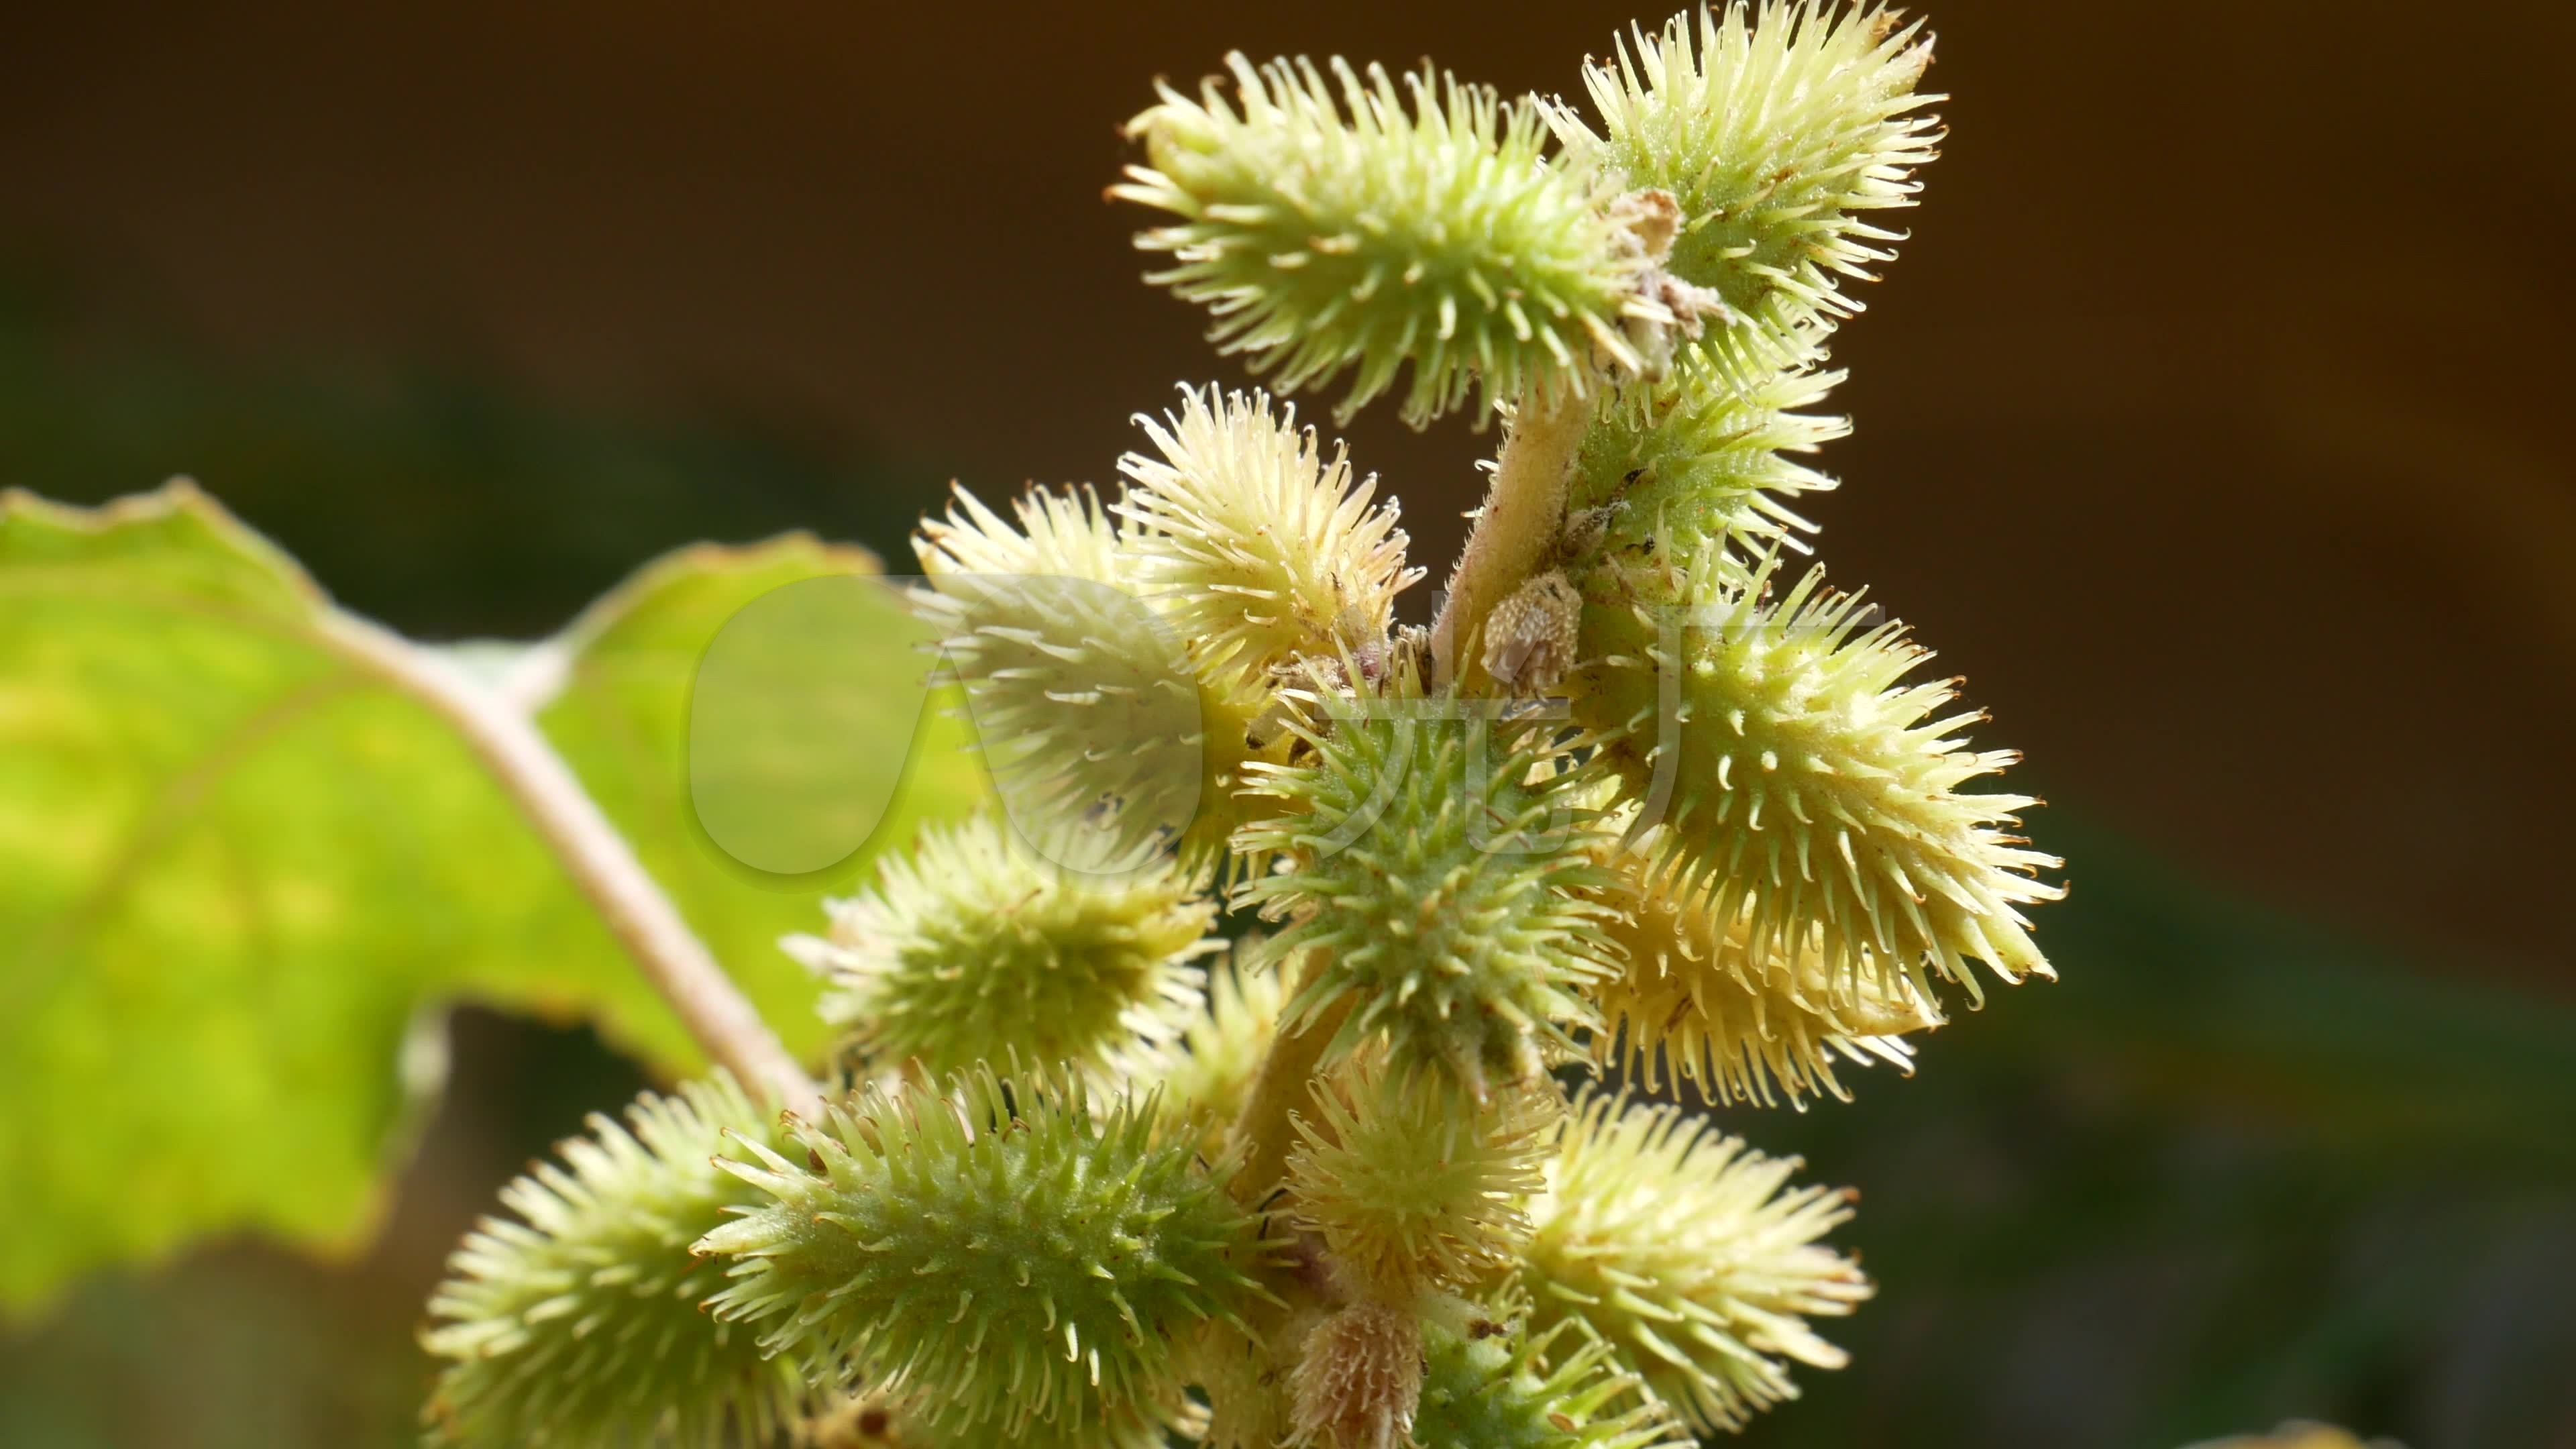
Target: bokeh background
(2211,425)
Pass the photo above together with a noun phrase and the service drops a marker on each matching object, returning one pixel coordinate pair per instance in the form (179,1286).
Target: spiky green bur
(1816,797)
(1689,998)
(1089,705)
(1412,1187)
(1702,456)
(579,1322)
(1782,137)
(1201,1080)
(1333,226)
(1679,1247)
(1003,1252)
(1255,545)
(1438,886)
(1497,1392)
(974,947)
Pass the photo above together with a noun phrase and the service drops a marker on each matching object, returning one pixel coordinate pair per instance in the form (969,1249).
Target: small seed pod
(1497,1390)
(1530,636)
(878,1421)
(976,947)
(1704,456)
(1358,1380)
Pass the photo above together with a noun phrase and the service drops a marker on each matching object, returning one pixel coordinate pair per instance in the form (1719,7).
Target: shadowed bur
(1551,1391)
(998,1251)
(1106,737)
(1247,1381)
(880,1421)
(579,1322)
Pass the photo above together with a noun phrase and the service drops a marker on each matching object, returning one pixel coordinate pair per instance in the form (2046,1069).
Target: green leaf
(237,864)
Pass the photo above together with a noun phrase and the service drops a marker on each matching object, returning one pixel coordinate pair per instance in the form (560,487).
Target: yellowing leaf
(236,862)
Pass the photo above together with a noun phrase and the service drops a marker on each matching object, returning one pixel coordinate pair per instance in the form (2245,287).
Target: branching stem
(600,861)
(1515,531)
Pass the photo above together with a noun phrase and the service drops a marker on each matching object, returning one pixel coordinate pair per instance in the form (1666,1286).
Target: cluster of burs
(1230,1086)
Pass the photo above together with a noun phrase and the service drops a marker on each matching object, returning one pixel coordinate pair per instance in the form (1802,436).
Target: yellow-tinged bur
(1255,545)
(1794,786)
(1414,1188)
(1692,999)
(579,1322)
(1202,1080)
(974,947)
(1781,139)
(1681,1249)
(1350,224)
(1438,870)
(1359,1375)
(1003,1253)
(1091,707)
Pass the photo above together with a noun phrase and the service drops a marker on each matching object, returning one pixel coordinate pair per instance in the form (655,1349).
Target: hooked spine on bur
(1123,1167)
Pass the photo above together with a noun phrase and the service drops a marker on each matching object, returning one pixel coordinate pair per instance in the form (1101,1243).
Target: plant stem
(599,859)
(1262,1132)
(1514,532)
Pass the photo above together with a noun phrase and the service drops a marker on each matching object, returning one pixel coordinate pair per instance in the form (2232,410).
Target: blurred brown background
(2211,422)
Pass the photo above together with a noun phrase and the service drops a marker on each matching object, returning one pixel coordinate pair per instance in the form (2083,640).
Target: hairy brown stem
(1515,531)
(598,858)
